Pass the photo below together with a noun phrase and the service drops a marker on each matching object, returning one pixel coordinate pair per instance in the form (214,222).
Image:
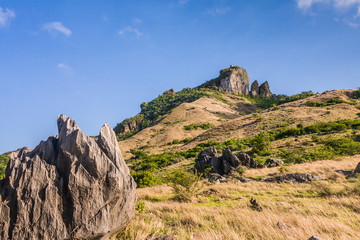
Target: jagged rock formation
(294,177)
(273,162)
(254,91)
(170,91)
(208,158)
(264,90)
(248,161)
(234,80)
(69,187)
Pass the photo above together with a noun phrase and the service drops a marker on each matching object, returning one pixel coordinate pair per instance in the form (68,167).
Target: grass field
(329,208)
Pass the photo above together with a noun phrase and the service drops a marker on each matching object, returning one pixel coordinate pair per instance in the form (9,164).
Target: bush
(195,126)
(140,207)
(327,102)
(356,94)
(261,144)
(4,159)
(144,179)
(185,185)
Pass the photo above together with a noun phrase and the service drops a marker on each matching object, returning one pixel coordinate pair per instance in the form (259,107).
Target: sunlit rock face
(71,186)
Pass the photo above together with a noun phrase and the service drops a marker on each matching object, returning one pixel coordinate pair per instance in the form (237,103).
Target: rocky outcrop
(234,80)
(69,187)
(273,162)
(248,162)
(264,90)
(254,91)
(294,177)
(170,91)
(208,158)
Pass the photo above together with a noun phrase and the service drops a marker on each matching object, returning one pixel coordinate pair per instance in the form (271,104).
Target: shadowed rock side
(254,91)
(69,187)
(264,90)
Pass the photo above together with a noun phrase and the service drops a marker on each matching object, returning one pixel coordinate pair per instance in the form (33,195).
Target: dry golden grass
(227,213)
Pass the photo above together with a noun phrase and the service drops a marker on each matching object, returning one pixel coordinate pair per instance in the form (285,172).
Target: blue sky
(97,61)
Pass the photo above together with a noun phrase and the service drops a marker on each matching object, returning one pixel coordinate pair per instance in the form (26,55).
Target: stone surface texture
(357,169)
(273,162)
(264,90)
(294,177)
(254,90)
(71,186)
(234,80)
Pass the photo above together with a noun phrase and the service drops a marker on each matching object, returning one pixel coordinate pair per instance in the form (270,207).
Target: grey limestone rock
(254,91)
(273,162)
(294,177)
(264,90)
(71,186)
(248,161)
(234,80)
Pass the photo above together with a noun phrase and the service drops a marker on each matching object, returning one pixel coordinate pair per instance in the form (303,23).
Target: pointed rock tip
(67,123)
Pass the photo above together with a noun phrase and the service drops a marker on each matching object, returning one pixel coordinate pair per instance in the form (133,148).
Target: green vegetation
(152,111)
(328,102)
(186,140)
(356,94)
(276,100)
(144,179)
(195,126)
(185,185)
(4,159)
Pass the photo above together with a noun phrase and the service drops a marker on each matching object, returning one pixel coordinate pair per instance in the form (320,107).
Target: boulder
(71,186)
(170,91)
(254,91)
(273,162)
(229,161)
(294,177)
(217,178)
(248,161)
(264,90)
(234,80)
(357,169)
(207,158)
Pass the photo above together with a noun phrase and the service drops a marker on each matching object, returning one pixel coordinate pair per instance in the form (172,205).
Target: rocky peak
(71,186)
(264,90)
(170,91)
(254,88)
(234,80)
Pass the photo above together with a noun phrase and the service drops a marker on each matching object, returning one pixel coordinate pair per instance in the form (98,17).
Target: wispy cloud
(65,69)
(343,6)
(5,16)
(217,11)
(130,30)
(54,27)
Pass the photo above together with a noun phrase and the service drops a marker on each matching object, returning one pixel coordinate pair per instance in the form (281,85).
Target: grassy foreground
(329,209)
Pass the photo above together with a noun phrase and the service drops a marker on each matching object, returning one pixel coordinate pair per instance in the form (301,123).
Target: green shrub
(144,179)
(261,144)
(140,207)
(356,94)
(4,159)
(185,185)
(195,126)
(327,102)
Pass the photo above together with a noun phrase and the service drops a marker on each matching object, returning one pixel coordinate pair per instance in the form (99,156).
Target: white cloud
(217,11)
(129,29)
(5,16)
(343,6)
(65,68)
(54,27)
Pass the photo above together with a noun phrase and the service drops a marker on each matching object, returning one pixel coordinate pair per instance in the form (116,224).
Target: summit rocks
(71,186)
